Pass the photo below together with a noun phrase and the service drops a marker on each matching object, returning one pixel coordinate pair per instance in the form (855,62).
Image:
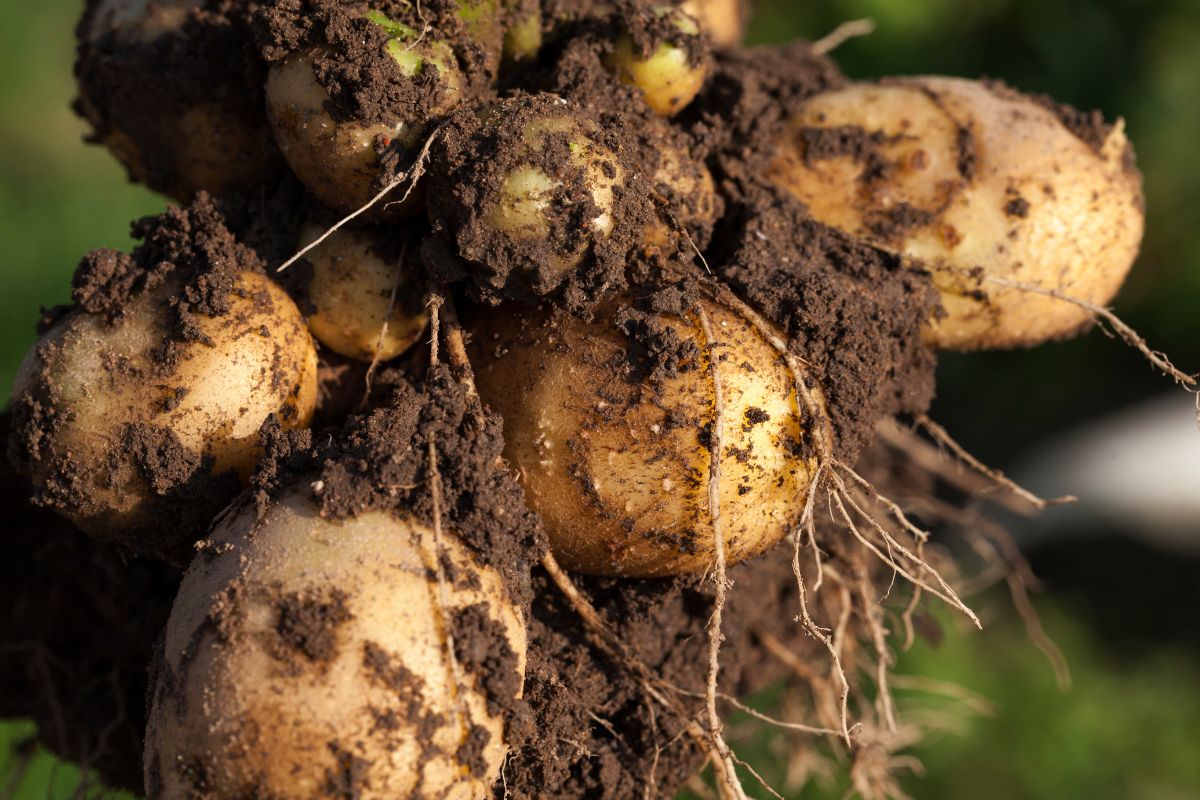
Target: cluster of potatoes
(978,185)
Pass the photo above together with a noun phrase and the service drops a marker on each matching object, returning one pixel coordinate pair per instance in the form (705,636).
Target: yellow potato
(308,658)
(672,75)
(721,19)
(525,207)
(523,34)
(355,291)
(99,379)
(618,469)
(207,144)
(980,184)
(335,159)
(691,196)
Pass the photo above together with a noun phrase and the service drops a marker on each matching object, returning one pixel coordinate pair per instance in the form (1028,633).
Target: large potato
(123,426)
(968,176)
(309,658)
(212,137)
(618,466)
(355,291)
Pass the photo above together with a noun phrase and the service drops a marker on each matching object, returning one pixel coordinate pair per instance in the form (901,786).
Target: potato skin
(977,177)
(351,287)
(307,658)
(97,380)
(618,469)
(672,75)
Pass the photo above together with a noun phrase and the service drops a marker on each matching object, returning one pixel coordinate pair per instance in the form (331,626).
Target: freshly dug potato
(541,210)
(355,291)
(684,183)
(115,422)
(337,159)
(176,134)
(723,20)
(617,464)
(309,658)
(523,30)
(669,74)
(971,176)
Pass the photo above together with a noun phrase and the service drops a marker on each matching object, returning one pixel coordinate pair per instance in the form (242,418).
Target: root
(412,176)
(662,692)
(883,659)
(842,34)
(1126,333)
(383,329)
(716,447)
(942,437)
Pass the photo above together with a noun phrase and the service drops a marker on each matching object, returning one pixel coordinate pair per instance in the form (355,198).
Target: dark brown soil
(850,310)
(78,621)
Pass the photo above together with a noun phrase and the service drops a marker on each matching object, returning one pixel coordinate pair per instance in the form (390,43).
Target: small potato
(308,658)
(523,30)
(686,187)
(618,466)
(541,210)
(355,291)
(528,198)
(337,159)
(121,428)
(722,20)
(976,182)
(213,137)
(673,74)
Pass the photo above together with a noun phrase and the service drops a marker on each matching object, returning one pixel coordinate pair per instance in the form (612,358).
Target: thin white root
(942,436)
(413,175)
(1127,334)
(716,447)
(383,329)
(842,34)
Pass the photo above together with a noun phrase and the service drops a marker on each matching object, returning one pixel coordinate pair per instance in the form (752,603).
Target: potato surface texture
(975,181)
(356,292)
(619,469)
(308,658)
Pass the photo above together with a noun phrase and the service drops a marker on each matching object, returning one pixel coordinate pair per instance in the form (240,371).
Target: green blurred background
(1124,612)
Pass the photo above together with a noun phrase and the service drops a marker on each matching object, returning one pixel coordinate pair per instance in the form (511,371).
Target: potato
(215,138)
(111,405)
(722,20)
(618,466)
(964,176)
(523,33)
(686,186)
(336,158)
(542,203)
(308,658)
(354,290)
(673,74)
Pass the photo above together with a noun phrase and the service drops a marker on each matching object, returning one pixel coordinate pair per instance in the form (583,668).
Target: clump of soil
(852,311)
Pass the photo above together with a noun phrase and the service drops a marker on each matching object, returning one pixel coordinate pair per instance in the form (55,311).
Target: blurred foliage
(1128,728)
